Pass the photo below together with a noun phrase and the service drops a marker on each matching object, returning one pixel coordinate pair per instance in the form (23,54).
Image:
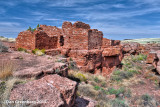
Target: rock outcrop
(49,91)
(131,48)
(153,58)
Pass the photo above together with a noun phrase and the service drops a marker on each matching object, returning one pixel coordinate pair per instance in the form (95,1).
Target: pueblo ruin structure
(86,46)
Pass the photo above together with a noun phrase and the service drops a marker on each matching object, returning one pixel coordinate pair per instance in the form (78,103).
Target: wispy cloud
(113,17)
(9,24)
(116,15)
(51,19)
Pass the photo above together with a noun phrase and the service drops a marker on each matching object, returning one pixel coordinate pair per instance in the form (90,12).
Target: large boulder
(49,91)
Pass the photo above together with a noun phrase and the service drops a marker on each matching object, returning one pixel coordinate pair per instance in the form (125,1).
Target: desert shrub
(140,57)
(38,52)
(117,92)
(31,29)
(120,75)
(22,49)
(146,97)
(96,79)
(7,87)
(103,84)
(57,71)
(97,87)
(81,77)
(34,51)
(77,76)
(70,59)
(38,25)
(6,68)
(2,88)
(147,101)
(72,65)
(43,51)
(3,48)
(87,90)
(116,78)
(118,103)
(117,72)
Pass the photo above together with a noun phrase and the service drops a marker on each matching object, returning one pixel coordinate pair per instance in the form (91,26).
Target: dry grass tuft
(7,67)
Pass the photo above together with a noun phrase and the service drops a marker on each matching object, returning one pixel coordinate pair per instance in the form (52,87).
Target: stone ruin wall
(86,46)
(43,41)
(52,31)
(79,36)
(95,39)
(25,40)
(37,39)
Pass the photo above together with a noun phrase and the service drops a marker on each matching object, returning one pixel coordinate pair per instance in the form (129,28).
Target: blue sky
(118,19)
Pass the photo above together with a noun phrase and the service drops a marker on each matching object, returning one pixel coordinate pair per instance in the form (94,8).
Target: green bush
(87,90)
(34,51)
(140,57)
(72,65)
(116,72)
(38,26)
(117,92)
(31,29)
(38,52)
(96,79)
(146,97)
(22,49)
(118,103)
(120,75)
(97,87)
(81,77)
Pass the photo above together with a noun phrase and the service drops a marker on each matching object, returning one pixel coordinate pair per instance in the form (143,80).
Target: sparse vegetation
(3,48)
(100,88)
(38,52)
(140,57)
(6,87)
(118,103)
(7,67)
(22,49)
(33,29)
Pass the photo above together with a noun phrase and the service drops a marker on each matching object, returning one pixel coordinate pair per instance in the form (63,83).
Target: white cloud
(98,15)
(51,19)
(9,24)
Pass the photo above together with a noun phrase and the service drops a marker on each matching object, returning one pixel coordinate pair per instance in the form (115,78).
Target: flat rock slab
(29,65)
(52,90)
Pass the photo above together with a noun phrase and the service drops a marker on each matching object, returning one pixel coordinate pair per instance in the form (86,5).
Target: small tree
(37,25)
(30,28)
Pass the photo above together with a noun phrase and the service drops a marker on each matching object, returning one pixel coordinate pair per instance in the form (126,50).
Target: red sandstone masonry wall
(25,40)
(43,41)
(106,42)
(67,33)
(79,39)
(52,31)
(95,39)
(79,36)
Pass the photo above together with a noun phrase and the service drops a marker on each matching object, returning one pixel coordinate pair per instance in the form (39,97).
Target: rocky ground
(29,80)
